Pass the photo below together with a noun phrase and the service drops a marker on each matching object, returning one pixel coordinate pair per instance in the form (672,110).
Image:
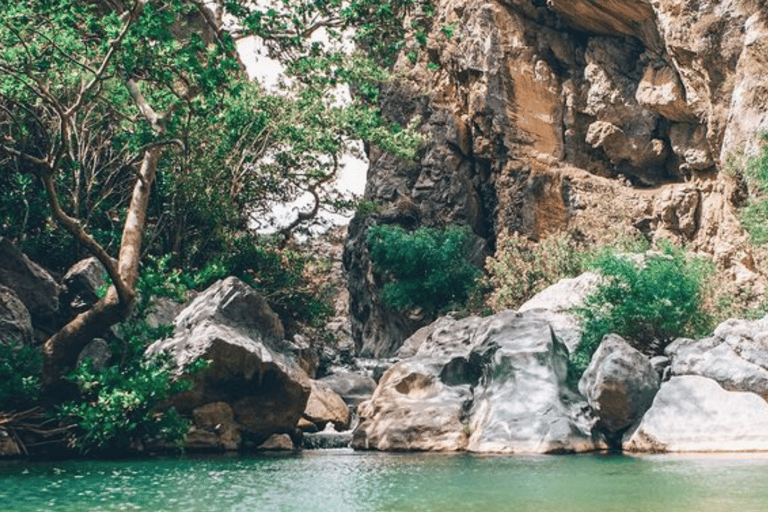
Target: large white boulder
(488,385)
(736,356)
(694,414)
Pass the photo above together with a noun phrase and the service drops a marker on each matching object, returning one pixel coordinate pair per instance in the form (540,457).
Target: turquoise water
(343,480)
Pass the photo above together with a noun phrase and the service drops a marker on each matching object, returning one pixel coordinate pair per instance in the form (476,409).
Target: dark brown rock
(15,321)
(32,284)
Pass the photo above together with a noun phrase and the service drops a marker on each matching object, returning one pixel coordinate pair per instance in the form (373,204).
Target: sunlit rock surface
(231,326)
(488,385)
(694,414)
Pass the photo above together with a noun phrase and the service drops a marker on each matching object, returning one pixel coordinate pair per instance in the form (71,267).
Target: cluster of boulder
(256,390)
(498,385)
(489,385)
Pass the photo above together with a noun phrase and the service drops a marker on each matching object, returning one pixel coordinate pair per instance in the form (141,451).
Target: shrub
(117,411)
(650,302)
(753,216)
(521,268)
(20,367)
(428,267)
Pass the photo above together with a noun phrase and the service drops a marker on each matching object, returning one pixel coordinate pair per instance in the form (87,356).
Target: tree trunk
(61,350)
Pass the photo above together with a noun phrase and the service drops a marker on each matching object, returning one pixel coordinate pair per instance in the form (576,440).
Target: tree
(105,101)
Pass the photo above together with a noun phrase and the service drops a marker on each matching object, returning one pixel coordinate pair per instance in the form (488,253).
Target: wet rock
(494,384)
(694,414)
(735,356)
(214,428)
(619,384)
(15,320)
(32,284)
(278,442)
(352,387)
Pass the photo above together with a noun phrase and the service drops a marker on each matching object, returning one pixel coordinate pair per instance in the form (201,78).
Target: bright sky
(352,174)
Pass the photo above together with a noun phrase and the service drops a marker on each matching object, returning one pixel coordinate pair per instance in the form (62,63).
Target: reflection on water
(342,480)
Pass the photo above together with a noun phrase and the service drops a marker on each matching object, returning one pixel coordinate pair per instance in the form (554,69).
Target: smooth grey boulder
(695,414)
(230,326)
(352,387)
(97,352)
(163,311)
(488,385)
(32,284)
(619,384)
(234,303)
(81,284)
(736,356)
(15,320)
(557,303)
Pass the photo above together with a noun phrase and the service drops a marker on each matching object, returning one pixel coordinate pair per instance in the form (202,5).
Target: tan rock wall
(531,106)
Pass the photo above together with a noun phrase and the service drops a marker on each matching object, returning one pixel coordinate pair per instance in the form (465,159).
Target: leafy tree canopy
(132,122)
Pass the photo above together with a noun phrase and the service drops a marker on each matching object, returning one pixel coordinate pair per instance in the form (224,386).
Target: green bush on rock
(426,268)
(650,301)
(117,411)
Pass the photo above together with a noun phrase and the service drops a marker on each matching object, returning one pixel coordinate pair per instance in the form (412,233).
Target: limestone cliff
(600,115)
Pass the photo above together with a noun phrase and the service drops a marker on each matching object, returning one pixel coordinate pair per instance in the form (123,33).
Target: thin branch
(146,109)
(74,227)
(24,156)
(113,44)
(312,189)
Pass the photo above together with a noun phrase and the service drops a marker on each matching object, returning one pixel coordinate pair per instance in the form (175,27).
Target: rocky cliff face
(602,115)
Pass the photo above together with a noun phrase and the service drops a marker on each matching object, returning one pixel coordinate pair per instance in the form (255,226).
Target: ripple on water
(346,481)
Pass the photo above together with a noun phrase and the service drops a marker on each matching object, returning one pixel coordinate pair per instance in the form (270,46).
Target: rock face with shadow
(612,118)
(619,385)
(486,385)
(252,384)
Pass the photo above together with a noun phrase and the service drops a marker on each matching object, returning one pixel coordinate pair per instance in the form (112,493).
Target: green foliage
(20,367)
(651,302)
(118,408)
(366,207)
(753,216)
(428,267)
(521,268)
(433,66)
(231,149)
(448,30)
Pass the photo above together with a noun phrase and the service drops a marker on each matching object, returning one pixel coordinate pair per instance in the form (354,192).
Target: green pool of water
(343,480)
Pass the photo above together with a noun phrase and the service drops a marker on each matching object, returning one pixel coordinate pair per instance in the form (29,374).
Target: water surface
(343,480)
